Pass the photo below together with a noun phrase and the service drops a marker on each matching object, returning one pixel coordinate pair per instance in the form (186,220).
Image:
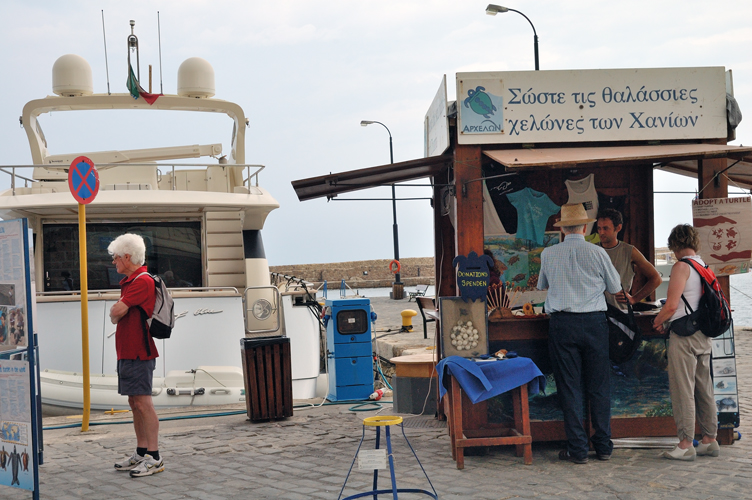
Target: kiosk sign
(83,180)
(591,105)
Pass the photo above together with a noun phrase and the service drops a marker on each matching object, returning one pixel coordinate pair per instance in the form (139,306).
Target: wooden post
(469,200)
(711,187)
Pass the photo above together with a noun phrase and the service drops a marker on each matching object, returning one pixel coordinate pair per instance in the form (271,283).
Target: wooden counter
(529,337)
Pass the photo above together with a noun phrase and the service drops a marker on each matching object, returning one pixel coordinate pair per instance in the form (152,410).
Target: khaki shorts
(135,376)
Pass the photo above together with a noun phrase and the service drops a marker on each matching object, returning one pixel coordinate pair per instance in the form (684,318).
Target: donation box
(349,350)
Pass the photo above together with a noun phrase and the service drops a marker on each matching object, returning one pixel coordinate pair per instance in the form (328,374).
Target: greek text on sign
(724,225)
(591,105)
(83,180)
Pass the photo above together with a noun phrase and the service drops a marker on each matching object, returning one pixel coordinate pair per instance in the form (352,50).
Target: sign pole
(83,181)
(84,314)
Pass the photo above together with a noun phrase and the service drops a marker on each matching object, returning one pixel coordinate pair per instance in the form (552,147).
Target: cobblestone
(309,455)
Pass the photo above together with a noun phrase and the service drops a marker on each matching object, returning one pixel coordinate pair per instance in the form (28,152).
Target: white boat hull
(207,333)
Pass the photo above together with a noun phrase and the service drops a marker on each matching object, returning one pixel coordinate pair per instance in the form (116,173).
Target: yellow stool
(386,422)
(407,320)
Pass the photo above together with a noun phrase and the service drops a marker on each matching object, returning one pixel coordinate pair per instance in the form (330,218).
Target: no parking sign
(83,180)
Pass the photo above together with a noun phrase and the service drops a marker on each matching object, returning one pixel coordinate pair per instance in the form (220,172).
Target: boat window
(173,251)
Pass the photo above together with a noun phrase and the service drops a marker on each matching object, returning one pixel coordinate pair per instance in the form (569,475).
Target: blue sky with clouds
(307,73)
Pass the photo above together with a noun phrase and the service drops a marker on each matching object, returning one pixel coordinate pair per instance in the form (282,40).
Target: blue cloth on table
(487,379)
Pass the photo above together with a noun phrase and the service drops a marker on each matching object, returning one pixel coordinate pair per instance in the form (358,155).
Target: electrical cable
(383,378)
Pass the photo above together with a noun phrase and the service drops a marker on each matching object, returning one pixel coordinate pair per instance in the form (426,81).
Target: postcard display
(519,212)
(20,416)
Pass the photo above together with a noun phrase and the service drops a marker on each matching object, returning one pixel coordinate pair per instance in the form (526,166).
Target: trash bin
(267,374)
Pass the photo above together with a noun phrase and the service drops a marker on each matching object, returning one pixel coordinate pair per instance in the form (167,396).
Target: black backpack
(162,320)
(624,336)
(713,315)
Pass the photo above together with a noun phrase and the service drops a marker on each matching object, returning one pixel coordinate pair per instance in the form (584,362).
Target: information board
(15,425)
(14,262)
(723,225)
(20,404)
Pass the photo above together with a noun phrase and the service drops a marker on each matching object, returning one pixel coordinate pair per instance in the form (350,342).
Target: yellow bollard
(407,320)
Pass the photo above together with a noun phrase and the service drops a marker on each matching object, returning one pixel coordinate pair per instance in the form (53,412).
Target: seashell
(454,342)
(475,344)
(469,323)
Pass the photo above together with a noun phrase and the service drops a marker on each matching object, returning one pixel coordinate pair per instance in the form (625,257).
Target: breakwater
(363,273)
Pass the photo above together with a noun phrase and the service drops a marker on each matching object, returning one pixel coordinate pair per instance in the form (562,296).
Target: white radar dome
(71,76)
(196,78)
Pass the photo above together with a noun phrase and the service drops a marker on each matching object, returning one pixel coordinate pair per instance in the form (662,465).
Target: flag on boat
(135,88)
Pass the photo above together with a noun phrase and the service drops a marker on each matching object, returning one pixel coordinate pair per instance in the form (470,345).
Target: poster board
(725,229)
(725,391)
(20,404)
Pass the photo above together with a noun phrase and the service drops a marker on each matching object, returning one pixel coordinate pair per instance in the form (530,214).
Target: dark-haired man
(627,260)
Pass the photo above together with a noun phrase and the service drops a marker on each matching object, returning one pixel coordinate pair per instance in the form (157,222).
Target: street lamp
(397,281)
(492,10)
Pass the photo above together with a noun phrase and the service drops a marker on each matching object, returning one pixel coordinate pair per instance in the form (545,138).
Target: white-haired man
(136,352)
(576,273)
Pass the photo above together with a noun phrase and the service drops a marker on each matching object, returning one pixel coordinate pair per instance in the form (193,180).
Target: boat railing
(279,279)
(252,171)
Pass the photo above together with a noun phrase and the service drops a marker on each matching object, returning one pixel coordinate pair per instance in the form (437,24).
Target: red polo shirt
(129,336)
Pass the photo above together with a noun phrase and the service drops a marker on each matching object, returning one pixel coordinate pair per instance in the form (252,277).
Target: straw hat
(573,214)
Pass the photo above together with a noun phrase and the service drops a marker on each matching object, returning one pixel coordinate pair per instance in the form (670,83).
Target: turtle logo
(480,102)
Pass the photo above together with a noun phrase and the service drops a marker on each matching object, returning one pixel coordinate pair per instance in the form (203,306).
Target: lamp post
(395,231)
(492,10)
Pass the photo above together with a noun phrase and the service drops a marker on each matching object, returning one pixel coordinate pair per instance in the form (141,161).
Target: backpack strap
(145,318)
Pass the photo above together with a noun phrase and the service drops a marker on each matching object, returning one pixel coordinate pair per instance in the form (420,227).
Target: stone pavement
(308,456)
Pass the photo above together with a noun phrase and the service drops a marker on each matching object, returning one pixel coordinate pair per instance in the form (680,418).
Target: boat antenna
(106,65)
(133,45)
(159,37)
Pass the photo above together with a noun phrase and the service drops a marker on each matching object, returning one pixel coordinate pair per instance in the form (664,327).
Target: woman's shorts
(135,376)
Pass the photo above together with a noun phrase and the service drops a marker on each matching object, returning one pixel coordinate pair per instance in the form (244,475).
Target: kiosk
(528,142)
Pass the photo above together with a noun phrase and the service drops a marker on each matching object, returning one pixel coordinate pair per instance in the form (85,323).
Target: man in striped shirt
(576,273)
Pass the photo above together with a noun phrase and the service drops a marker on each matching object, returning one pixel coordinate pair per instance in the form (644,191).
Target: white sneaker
(147,467)
(129,463)
(711,449)
(677,453)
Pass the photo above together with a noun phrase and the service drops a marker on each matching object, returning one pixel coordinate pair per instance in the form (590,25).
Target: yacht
(202,224)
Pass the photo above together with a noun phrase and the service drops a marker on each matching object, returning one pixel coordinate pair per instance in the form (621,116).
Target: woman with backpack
(688,356)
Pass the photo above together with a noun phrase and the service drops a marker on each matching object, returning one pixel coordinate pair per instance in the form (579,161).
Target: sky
(306,74)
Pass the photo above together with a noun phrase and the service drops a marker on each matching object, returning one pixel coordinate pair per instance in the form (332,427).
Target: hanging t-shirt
(533,210)
(498,188)
(583,191)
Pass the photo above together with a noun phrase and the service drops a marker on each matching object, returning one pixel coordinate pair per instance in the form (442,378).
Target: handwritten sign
(725,236)
(473,275)
(591,105)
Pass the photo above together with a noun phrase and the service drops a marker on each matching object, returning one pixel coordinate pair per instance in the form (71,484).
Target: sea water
(741,299)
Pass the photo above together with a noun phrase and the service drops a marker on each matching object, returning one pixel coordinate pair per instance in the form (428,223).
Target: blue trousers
(578,346)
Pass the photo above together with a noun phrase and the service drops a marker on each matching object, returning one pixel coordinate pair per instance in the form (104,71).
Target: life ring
(392,267)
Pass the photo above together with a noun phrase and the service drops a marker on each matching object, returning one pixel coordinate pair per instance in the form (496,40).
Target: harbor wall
(363,273)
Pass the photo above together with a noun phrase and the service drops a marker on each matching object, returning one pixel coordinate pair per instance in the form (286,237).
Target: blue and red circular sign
(83,180)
